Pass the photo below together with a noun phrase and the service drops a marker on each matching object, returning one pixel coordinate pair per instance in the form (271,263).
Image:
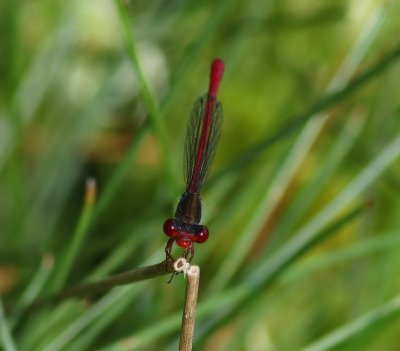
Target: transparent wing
(193,174)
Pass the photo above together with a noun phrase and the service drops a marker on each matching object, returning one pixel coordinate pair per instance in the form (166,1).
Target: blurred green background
(302,201)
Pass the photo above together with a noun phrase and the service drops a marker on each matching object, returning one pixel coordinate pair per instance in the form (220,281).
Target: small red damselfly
(201,139)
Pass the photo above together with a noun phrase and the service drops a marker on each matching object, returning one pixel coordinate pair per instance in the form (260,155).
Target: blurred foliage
(302,199)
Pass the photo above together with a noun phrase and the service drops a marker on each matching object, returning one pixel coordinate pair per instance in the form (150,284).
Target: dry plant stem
(189,313)
(88,289)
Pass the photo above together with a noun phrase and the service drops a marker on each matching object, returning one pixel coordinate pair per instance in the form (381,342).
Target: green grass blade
(78,237)
(306,235)
(5,334)
(326,171)
(37,80)
(154,113)
(367,246)
(35,287)
(356,327)
(97,311)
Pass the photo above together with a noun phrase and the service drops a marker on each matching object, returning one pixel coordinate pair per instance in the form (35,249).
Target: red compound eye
(202,235)
(169,228)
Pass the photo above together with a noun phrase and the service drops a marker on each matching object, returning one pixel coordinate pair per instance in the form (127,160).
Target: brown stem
(88,289)
(189,313)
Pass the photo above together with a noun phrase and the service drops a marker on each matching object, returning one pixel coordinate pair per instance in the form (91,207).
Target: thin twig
(89,289)
(189,313)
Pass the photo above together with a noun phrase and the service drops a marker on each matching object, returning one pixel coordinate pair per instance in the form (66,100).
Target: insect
(201,139)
